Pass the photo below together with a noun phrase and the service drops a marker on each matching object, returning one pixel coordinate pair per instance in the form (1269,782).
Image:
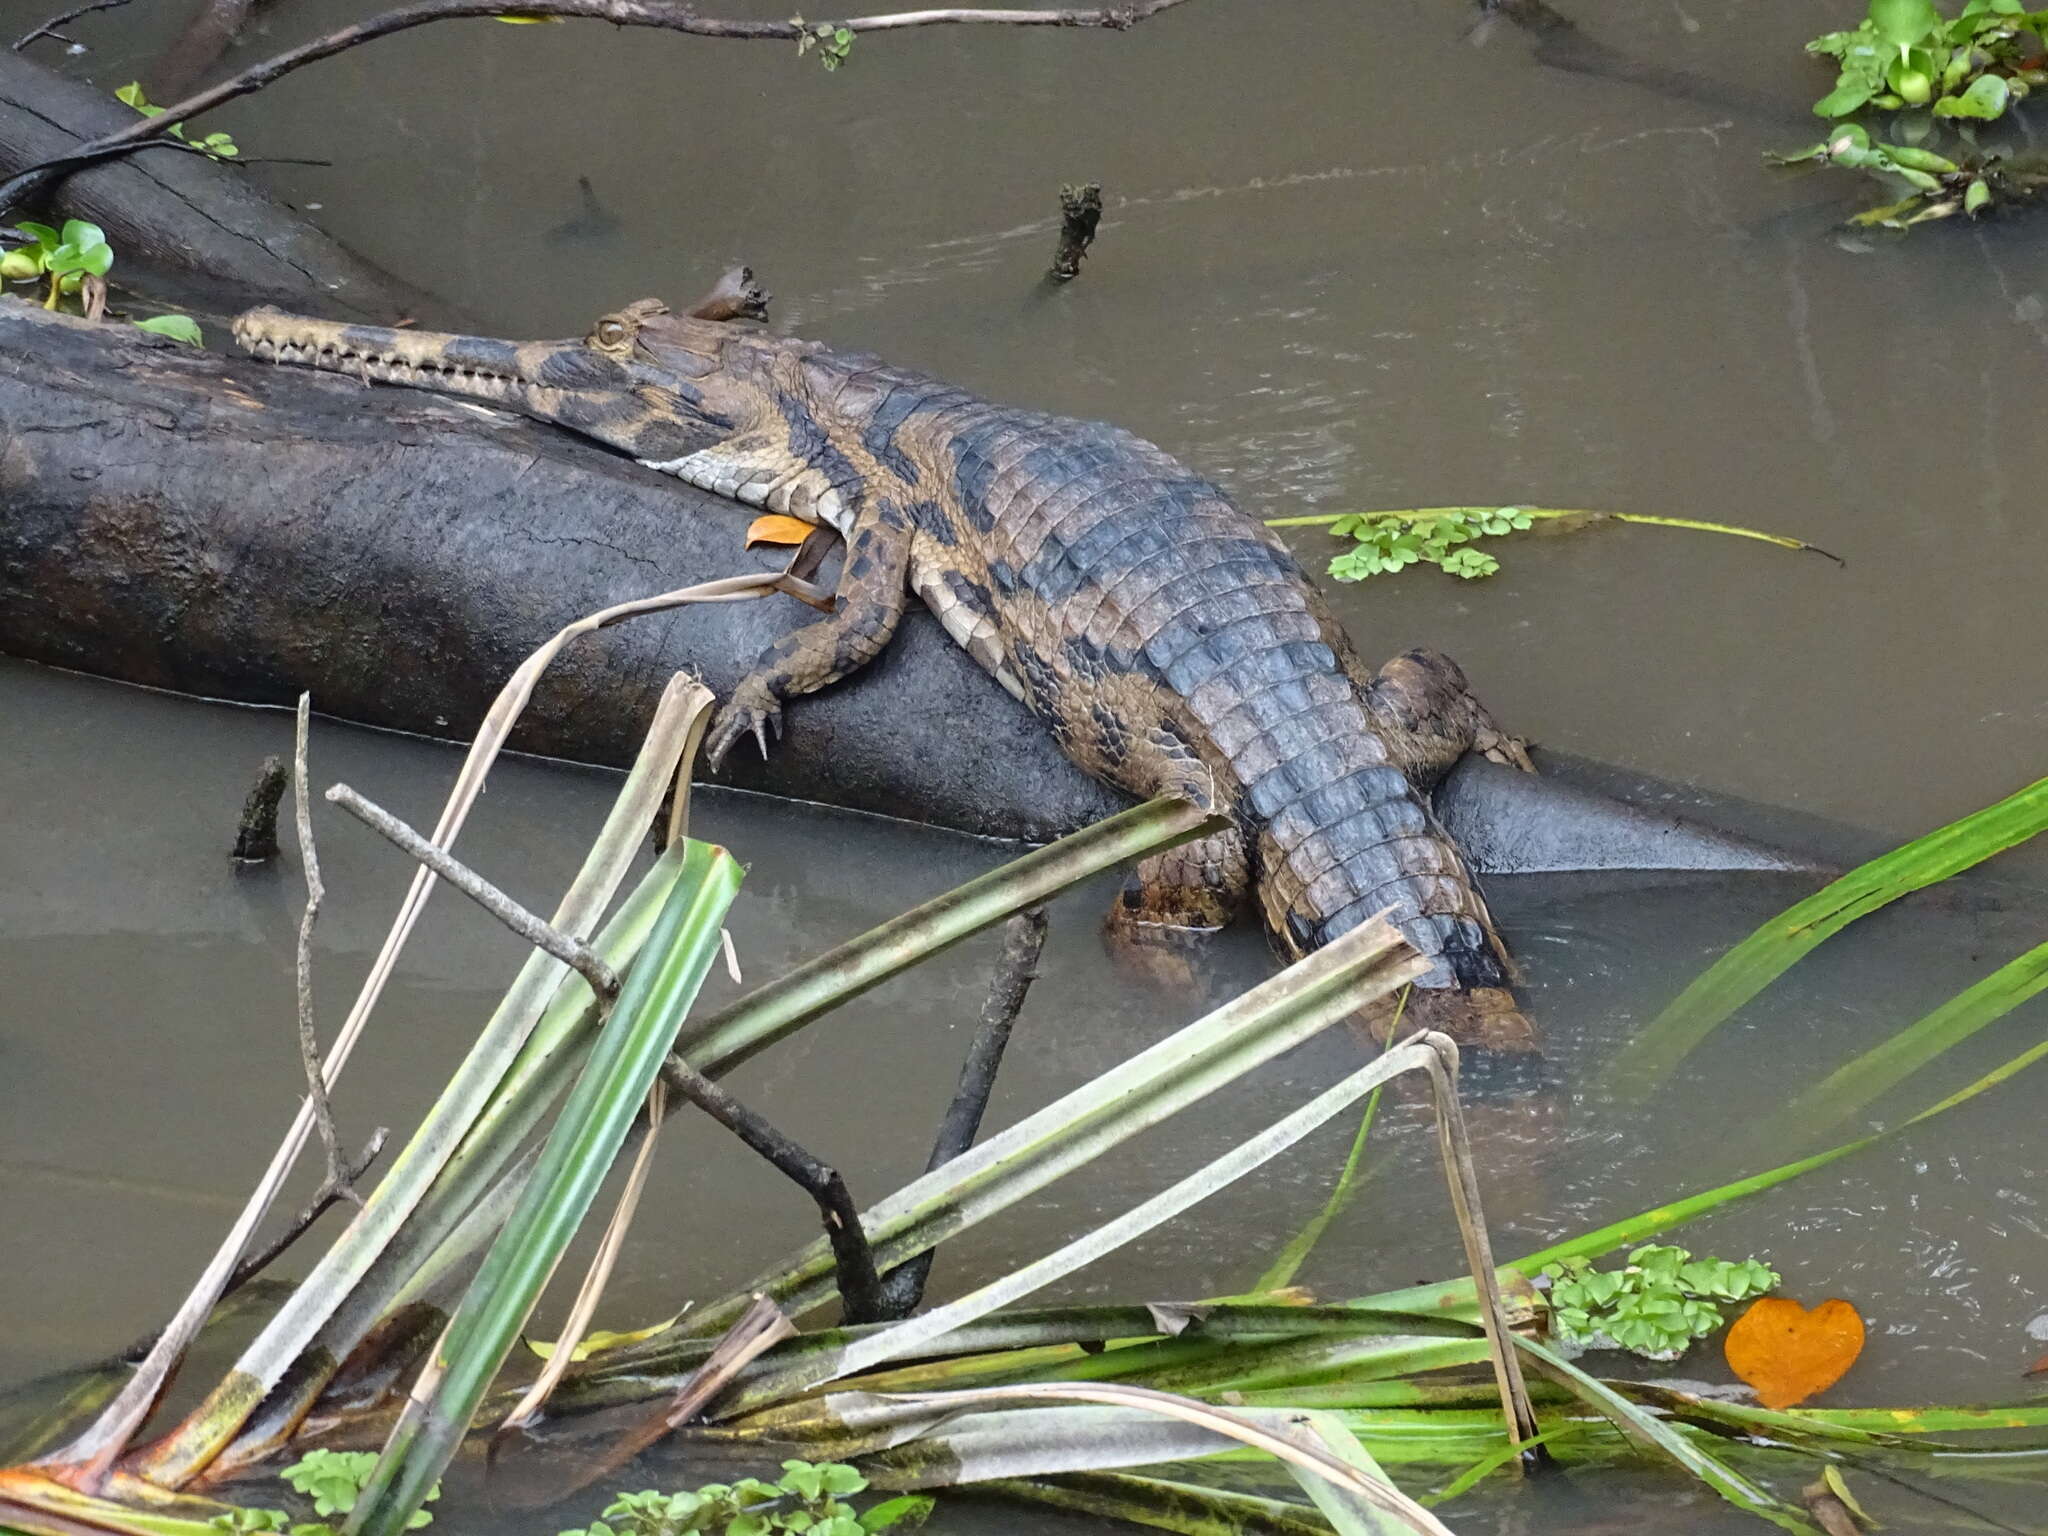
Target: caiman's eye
(611,333)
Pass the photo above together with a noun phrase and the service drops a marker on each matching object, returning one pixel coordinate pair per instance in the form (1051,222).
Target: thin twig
(49,28)
(1023,940)
(860,1289)
(330,1190)
(667,15)
(536,930)
(335,1178)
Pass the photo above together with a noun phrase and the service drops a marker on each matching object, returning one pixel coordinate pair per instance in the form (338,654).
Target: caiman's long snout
(508,371)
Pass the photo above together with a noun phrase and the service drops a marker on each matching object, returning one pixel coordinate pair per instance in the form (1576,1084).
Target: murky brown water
(1349,262)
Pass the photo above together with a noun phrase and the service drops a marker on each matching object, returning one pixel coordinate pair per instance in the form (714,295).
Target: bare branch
(666,15)
(1023,939)
(330,1190)
(49,28)
(537,931)
(860,1288)
(336,1177)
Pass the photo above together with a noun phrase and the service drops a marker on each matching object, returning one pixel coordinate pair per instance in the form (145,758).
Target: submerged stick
(860,1288)
(1023,941)
(1080,213)
(335,1179)
(256,832)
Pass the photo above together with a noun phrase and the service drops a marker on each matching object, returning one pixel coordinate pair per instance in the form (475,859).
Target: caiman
(1170,642)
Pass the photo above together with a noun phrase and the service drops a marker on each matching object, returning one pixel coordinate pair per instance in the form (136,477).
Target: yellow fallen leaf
(1788,1353)
(530,21)
(775,528)
(598,1341)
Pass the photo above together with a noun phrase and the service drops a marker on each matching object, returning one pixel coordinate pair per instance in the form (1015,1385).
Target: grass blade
(722,1040)
(1287,1264)
(1187,1509)
(1255,1432)
(1774,948)
(1662,1218)
(658,993)
(1647,1430)
(1145,1090)
(1849,1088)
(1350,1514)
(894,1343)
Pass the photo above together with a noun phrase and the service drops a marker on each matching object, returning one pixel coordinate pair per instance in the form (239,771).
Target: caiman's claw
(750,711)
(1508,751)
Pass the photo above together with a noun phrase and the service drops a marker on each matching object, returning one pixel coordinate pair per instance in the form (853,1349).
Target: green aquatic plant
(1655,1306)
(1389,541)
(832,43)
(808,1498)
(217,145)
(1936,71)
(72,263)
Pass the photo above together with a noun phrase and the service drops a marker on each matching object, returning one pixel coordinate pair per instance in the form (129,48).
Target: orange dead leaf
(1788,1353)
(774,528)
(2038,1368)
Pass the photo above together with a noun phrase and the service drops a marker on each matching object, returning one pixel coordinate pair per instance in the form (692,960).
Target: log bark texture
(207,231)
(215,526)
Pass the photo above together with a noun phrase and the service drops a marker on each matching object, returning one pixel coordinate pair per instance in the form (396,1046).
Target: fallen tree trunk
(221,527)
(193,231)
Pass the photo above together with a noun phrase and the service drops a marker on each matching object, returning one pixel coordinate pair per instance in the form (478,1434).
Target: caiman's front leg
(873,589)
(1432,718)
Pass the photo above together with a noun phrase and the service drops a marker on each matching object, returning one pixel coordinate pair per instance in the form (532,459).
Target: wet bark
(220,527)
(186,228)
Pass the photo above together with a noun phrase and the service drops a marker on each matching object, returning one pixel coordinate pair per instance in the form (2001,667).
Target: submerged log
(216,526)
(193,231)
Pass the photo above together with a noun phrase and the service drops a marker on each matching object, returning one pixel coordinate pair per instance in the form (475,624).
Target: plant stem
(1552,514)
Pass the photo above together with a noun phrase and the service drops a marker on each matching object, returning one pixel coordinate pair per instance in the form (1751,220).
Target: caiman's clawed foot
(751,709)
(1499,747)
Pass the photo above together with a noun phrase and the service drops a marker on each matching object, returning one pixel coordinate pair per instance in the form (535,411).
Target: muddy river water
(1350,260)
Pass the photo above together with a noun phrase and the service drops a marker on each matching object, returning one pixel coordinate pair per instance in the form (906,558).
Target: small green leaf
(909,1510)
(1986,98)
(178,327)
(1903,22)
(131,95)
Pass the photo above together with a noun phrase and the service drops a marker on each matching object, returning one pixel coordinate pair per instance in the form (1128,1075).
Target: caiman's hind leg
(1174,900)
(873,590)
(1433,718)
(1197,887)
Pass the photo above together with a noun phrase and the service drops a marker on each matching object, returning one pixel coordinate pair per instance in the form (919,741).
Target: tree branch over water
(665,15)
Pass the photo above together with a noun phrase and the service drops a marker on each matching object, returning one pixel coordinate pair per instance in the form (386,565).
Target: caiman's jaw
(631,383)
(504,371)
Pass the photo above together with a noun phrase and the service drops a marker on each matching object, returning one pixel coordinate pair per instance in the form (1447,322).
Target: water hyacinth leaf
(1987,98)
(1780,943)
(1904,22)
